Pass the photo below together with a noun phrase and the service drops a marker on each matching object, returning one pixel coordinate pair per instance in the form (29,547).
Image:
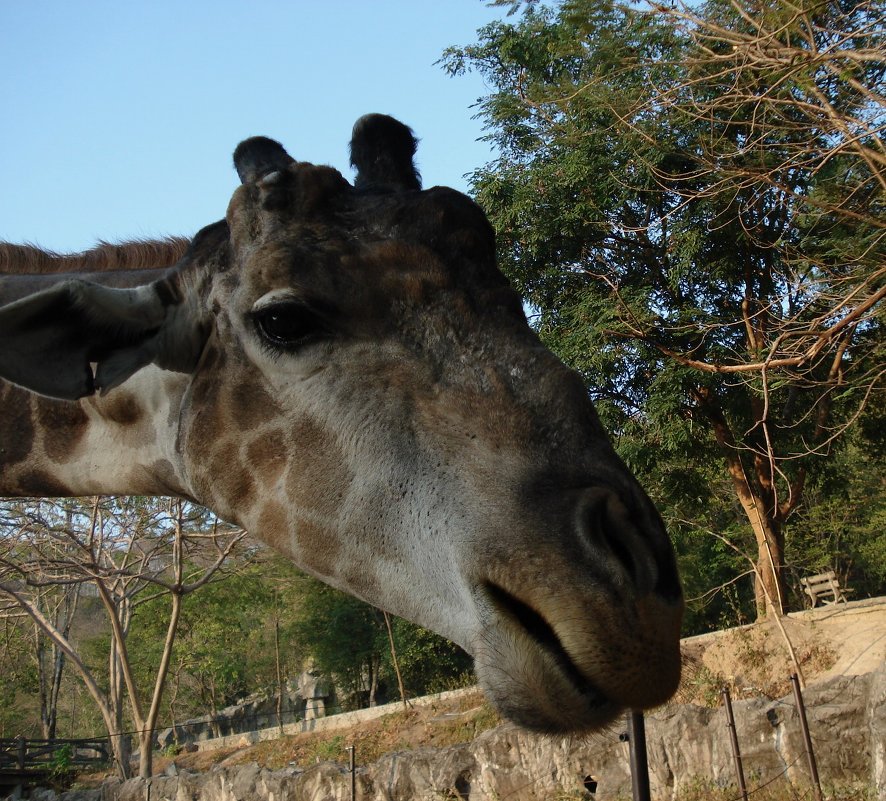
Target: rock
(876,726)
(249,714)
(847,719)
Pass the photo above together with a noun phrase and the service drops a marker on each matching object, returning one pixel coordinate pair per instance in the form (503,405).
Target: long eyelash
(274,352)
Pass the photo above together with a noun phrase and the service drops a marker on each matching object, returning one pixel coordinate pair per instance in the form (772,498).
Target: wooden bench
(824,588)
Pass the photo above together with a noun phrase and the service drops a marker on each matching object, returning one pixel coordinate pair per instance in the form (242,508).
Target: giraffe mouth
(586,706)
(534,624)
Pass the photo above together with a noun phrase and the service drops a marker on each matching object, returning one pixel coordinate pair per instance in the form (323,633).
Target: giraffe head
(355,382)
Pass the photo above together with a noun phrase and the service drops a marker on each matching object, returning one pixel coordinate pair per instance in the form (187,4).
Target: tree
(428,662)
(693,202)
(128,550)
(843,527)
(344,637)
(18,675)
(58,604)
(235,637)
(348,639)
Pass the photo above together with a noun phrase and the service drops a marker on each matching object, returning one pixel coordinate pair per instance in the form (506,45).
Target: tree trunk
(278,664)
(121,746)
(373,681)
(145,753)
(50,657)
(394,661)
(58,666)
(47,722)
(213,705)
(769,589)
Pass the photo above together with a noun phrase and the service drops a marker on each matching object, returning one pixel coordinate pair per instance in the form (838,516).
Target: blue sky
(120,117)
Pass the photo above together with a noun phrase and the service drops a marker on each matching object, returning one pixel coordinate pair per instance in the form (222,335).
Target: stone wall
(341,720)
(847,718)
(304,699)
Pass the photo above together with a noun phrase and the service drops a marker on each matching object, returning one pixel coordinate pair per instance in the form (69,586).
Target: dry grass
(780,790)
(438,726)
(752,661)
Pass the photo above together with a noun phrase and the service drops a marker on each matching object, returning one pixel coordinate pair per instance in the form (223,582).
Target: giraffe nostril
(604,523)
(620,550)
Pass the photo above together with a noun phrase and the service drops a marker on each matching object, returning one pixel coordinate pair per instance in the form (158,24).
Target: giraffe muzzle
(584,621)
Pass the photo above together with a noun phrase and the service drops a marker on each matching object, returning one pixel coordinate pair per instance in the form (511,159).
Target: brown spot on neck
(39,484)
(16,425)
(120,407)
(64,424)
(273,527)
(267,455)
(165,473)
(321,475)
(250,405)
(230,479)
(319,548)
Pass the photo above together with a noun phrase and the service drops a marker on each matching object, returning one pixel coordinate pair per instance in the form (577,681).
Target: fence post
(733,739)
(20,757)
(21,752)
(807,740)
(639,761)
(352,760)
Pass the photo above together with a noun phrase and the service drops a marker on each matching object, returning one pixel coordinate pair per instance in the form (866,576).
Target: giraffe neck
(124,443)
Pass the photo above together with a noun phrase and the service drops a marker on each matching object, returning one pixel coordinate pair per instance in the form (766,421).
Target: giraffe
(343,370)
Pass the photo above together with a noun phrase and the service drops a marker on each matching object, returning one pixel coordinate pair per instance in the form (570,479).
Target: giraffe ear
(78,337)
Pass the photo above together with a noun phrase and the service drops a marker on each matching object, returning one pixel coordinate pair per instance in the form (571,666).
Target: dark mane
(104,257)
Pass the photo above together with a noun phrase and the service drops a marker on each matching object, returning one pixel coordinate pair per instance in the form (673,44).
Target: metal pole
(807,740)
(639,762)
(353,768)
(733,739)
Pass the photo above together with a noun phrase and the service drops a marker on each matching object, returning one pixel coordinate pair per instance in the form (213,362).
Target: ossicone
(382,151)
(259,156)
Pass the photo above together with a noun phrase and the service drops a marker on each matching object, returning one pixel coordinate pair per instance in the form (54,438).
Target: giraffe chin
(535,686)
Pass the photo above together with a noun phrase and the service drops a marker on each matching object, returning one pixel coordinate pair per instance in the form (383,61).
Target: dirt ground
(753,660)
(840,639)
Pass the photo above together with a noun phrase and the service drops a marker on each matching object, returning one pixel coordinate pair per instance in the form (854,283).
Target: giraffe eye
(289,325)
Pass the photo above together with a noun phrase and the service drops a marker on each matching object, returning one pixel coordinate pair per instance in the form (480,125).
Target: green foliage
(428,662)
(19,685)
(348,639)
(842,525)
(225,647)
(342,636)
(332,749)
(61,762)
(171,751)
